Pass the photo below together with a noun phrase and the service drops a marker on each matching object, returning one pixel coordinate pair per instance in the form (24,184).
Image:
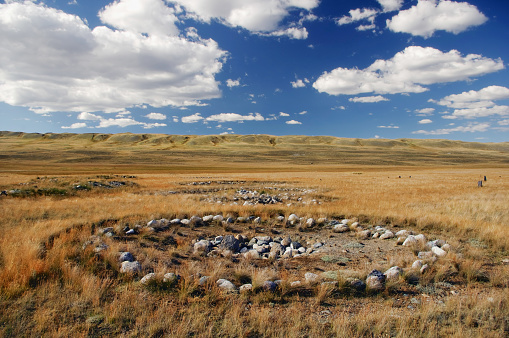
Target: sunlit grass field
(51,286)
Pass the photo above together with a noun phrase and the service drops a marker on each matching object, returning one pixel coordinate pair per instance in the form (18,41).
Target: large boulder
(375,280)
(229,242)
(202,247)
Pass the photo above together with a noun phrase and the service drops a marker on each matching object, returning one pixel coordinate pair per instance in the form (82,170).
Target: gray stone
(295,245)
(153,223)
(229,242)
(280,218)
(356,284)
(130,232)
(196,221)
(230,220)
(130,267)
(293,218)
(175,221)
(257,220)
(101,247)
(310,222)
(446,247)
(301,250)
(375,280)
(425,255)
(424,268)
(203,280)
(296,284)
(286,241)
(365,234)
(185,221)
(393,273)
(252,254)
(276,247)
(421,239)
(226,285)
(147,278)
(126,257)
(340,228)
(269,286)
(317,245)
(105,230)
(376,235)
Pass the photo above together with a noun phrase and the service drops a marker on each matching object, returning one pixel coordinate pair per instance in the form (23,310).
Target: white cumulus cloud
(407,72)
(477,99)
(76,125)
(255,16)
(233,117)
(192,118)
(299,83)
(156,116)
(470,128)
(78,69)
(233,83)
(283,114)
(390,5)
(358,14)
(425,121)
(424,111)
(368,99)
(293,122)
(429,16)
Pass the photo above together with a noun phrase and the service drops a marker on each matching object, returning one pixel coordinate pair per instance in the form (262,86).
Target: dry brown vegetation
(51,286)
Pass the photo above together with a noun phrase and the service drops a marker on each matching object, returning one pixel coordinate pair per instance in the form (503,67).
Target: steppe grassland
(67,292)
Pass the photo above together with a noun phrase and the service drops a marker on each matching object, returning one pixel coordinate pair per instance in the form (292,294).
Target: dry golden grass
(50,286)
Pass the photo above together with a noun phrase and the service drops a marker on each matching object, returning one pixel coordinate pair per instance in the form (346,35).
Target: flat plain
(62,190)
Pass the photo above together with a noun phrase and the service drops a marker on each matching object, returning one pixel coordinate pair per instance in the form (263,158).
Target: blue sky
(359,69)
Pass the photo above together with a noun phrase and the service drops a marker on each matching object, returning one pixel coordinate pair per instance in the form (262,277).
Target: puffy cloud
(233,83)
(425,121)
(475,99)
(153,125)
(293,122)
(389,127)
(299,83)
(296,33)
(406,72)
(140,16)
(503,122)
(83,70)
(232,117)
(121,122)
(368,99)
(358,15)
(255,16)
(429,16)
(424,111)
(283,114)
(88,117)
(156,116)
(470,128)
(390,5)
(192,118)
(472,113)
(76,125)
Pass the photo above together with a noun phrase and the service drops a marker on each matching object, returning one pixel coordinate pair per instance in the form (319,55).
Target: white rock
(410,241)
(296,284)
(170,277)
(387,235)
(421,239)
(126,257)
(375,280)
(403,233)
(202,246)
(417,265)
(311,277)
(208,218)
(218,218)
(310,222)
(175,221)
(376,235)
(226,285)
(257,220)
(446,247)
(424,268)
(185,221)
(345,221)
(438,251)
(147,278)
(341,228)
(280,218)
(246,288)
(393,273)
(130,267)
(301,250)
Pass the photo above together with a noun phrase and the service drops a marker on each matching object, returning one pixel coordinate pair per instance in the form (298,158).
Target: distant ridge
(253,140)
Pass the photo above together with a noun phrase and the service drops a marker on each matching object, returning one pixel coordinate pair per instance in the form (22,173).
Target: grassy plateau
(60,190)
